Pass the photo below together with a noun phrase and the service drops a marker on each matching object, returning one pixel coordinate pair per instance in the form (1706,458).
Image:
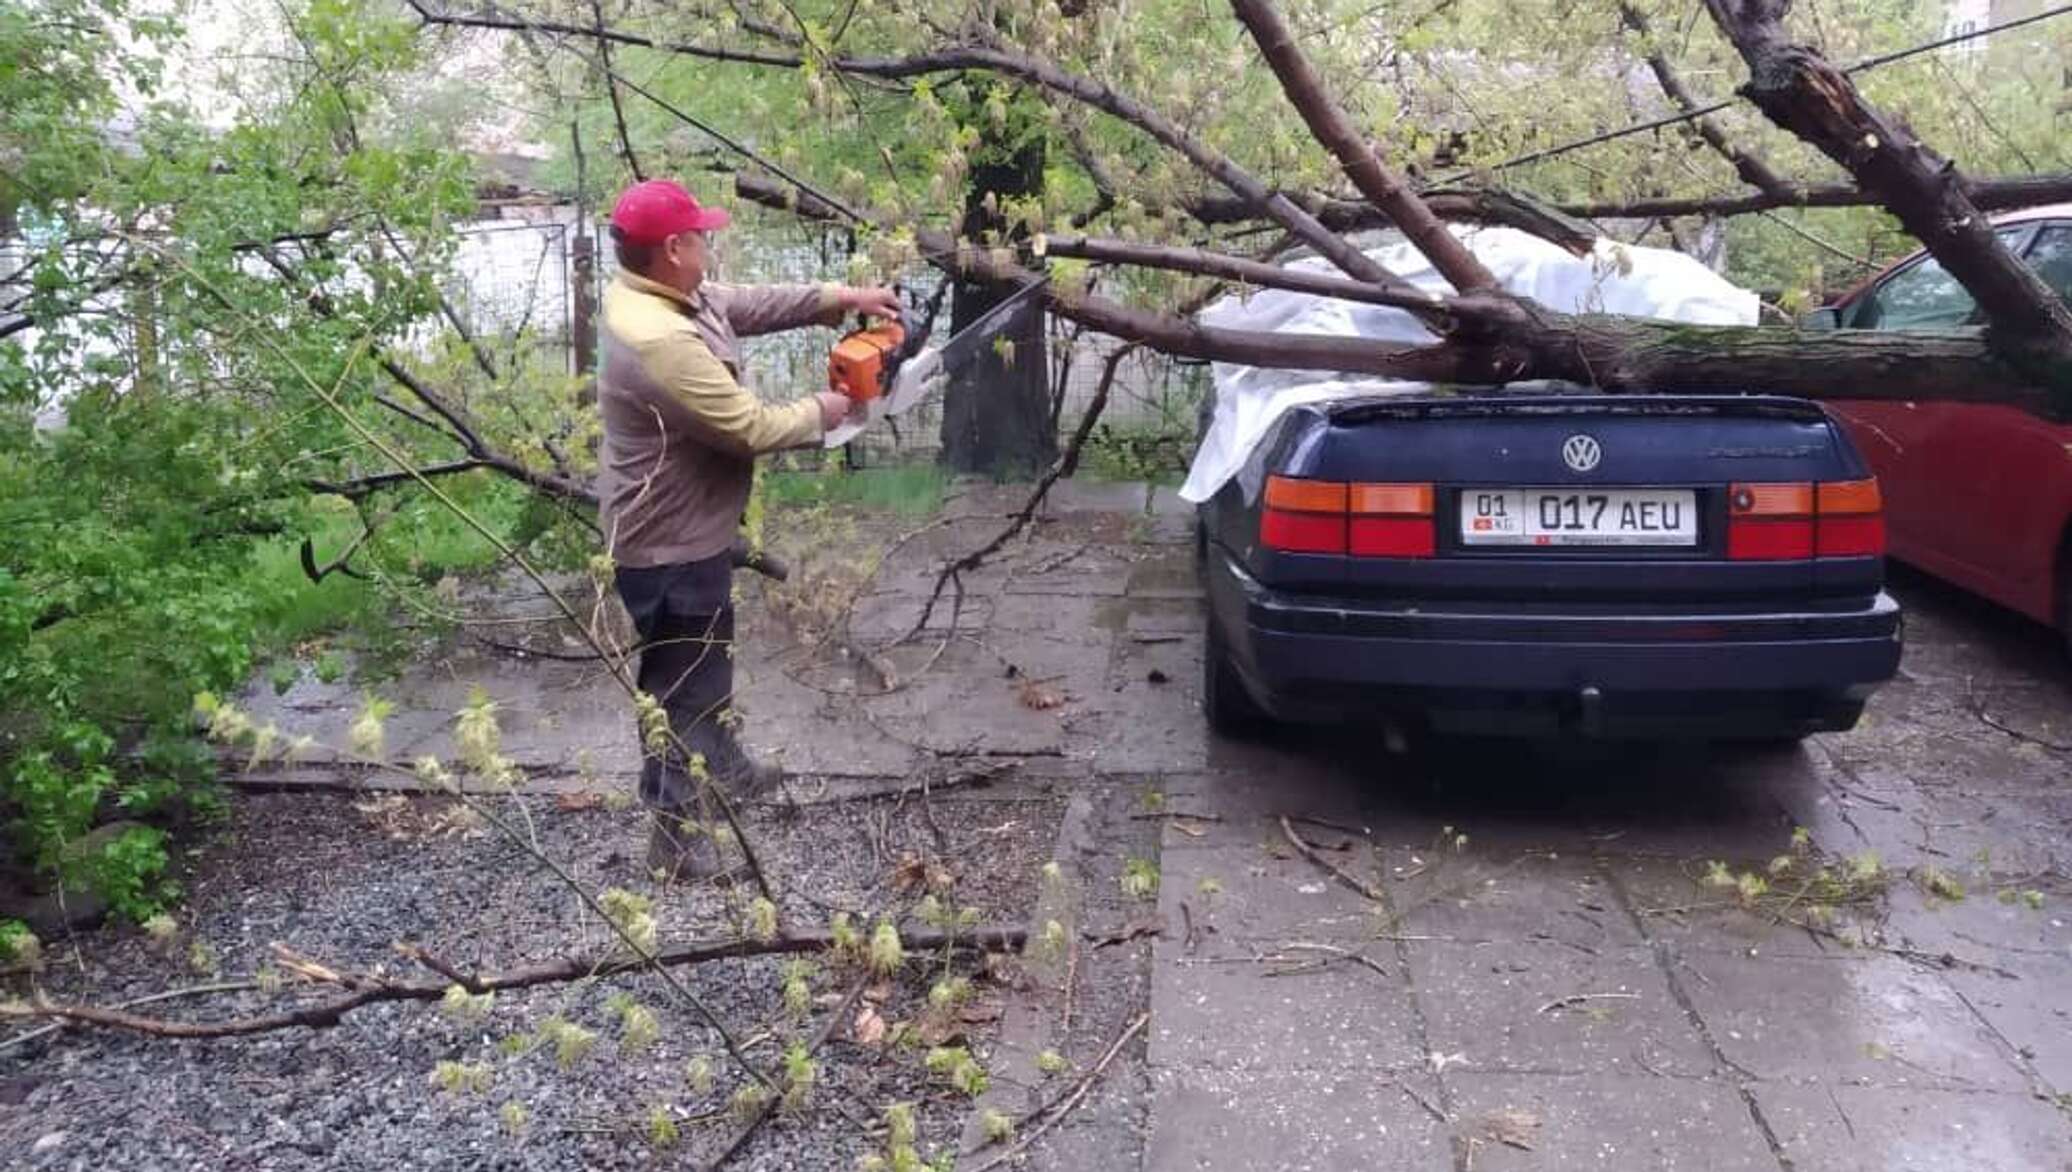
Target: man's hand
(878,302)
(834,409)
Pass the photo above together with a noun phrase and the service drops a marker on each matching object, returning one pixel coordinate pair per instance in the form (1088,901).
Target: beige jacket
(680,431)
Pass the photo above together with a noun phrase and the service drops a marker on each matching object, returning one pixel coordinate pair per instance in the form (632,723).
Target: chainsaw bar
(965,346)
(917,372)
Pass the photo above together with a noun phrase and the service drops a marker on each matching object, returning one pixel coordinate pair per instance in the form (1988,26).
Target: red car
(1975,494)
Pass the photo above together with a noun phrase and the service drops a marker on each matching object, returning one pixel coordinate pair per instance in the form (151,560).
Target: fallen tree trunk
(1495,340)
(1991,195)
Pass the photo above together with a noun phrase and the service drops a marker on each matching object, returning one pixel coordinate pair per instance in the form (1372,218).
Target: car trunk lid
(1630,500)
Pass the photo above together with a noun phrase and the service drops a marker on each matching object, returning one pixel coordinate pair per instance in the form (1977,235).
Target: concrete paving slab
(1235,1019)
(1477,894)
(2030,1009)
(1167,574)
(1675,906)
(1053,614)
(1875,1020)
(1887,1129)
(1588,799)
(1260,898)
(886,615)
(1983,925)
(1145,618)
(1294,1121)
(1080,495)
(1601,1121)
(1157,724)
(1506,1007)
(1250,785)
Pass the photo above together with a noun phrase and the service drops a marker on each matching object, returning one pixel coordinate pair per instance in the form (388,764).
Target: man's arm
(767,309)
(700,387)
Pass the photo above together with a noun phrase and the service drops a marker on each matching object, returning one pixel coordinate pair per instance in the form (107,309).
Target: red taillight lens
(1845,537)
(1393,537)
(1331,517)
(1852,519)
(1302,532)
(1769,540)
(1792,522)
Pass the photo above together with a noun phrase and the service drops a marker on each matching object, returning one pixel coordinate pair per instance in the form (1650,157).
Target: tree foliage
(161,462)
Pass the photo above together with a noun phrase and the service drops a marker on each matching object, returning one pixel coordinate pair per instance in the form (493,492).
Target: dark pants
(685,616)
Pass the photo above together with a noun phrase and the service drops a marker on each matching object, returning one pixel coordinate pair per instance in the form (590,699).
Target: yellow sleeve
(721,409)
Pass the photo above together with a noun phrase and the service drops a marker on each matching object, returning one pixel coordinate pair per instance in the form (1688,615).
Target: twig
(1579,998)
(1129,932)
(1336,872)
(1064,1106)
(1359,958)
(1063,466)
(748,1129)
(169,995)
(1326,823)
(1397,1082)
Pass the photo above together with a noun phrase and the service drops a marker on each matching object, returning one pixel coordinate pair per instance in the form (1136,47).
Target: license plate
(1558,516)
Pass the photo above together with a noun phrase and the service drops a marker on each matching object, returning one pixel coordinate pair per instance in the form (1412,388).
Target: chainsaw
(888,368)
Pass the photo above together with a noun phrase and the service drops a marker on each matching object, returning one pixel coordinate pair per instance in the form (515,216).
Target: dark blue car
(1603,565)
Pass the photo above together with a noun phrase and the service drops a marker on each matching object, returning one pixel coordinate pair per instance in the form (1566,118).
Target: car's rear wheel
(1231,710)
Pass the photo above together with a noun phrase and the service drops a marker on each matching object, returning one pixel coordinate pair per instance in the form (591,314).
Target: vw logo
(1581,453)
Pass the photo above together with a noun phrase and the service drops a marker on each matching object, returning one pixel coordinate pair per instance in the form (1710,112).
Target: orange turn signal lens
(1770,500)
(1392,500)
(1305,496)
(1850,496)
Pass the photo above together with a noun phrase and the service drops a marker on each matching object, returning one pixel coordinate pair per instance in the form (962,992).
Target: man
(681,435)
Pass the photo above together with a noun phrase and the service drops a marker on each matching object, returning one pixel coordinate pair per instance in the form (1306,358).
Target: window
(2052,258)
(1921,296)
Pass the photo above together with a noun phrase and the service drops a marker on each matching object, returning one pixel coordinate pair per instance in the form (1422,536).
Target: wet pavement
(1852,953)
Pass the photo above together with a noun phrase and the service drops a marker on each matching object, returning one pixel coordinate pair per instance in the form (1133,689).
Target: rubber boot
(678,852)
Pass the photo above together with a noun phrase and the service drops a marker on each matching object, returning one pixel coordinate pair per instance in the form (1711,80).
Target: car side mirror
(1827,317)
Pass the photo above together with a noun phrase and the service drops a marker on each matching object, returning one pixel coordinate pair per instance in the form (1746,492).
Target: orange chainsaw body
(856,368)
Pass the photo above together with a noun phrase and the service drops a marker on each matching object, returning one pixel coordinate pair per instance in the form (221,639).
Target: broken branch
(1334,870)
(372,990)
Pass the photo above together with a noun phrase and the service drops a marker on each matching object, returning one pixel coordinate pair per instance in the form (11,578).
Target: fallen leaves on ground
(1512,1127)
(1039,696)
(405,818)
(869,1027)
(913,873)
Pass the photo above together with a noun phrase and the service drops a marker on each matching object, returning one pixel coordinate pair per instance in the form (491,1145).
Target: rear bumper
(1481,667)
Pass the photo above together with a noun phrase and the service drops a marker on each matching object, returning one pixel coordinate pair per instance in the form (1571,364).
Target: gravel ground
(343,879)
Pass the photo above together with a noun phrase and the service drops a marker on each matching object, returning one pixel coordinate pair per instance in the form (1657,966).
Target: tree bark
(1991,195)
(996,414)
(1499,340)
(1800,91)
(1326,120)
(1750,166)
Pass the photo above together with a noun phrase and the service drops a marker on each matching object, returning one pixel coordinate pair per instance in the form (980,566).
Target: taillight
(1332,517)
(1792,522)
(1852,519)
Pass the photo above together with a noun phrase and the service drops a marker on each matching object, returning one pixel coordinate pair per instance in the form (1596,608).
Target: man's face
(686,256)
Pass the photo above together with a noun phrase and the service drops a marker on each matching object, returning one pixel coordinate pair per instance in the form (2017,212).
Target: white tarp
(1614,278)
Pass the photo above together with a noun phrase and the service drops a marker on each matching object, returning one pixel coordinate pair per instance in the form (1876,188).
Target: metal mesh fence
(513,276)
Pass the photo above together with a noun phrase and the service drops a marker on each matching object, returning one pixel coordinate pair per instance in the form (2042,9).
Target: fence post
(583,314)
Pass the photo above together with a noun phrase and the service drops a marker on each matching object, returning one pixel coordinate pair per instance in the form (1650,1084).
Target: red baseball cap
(653,211)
